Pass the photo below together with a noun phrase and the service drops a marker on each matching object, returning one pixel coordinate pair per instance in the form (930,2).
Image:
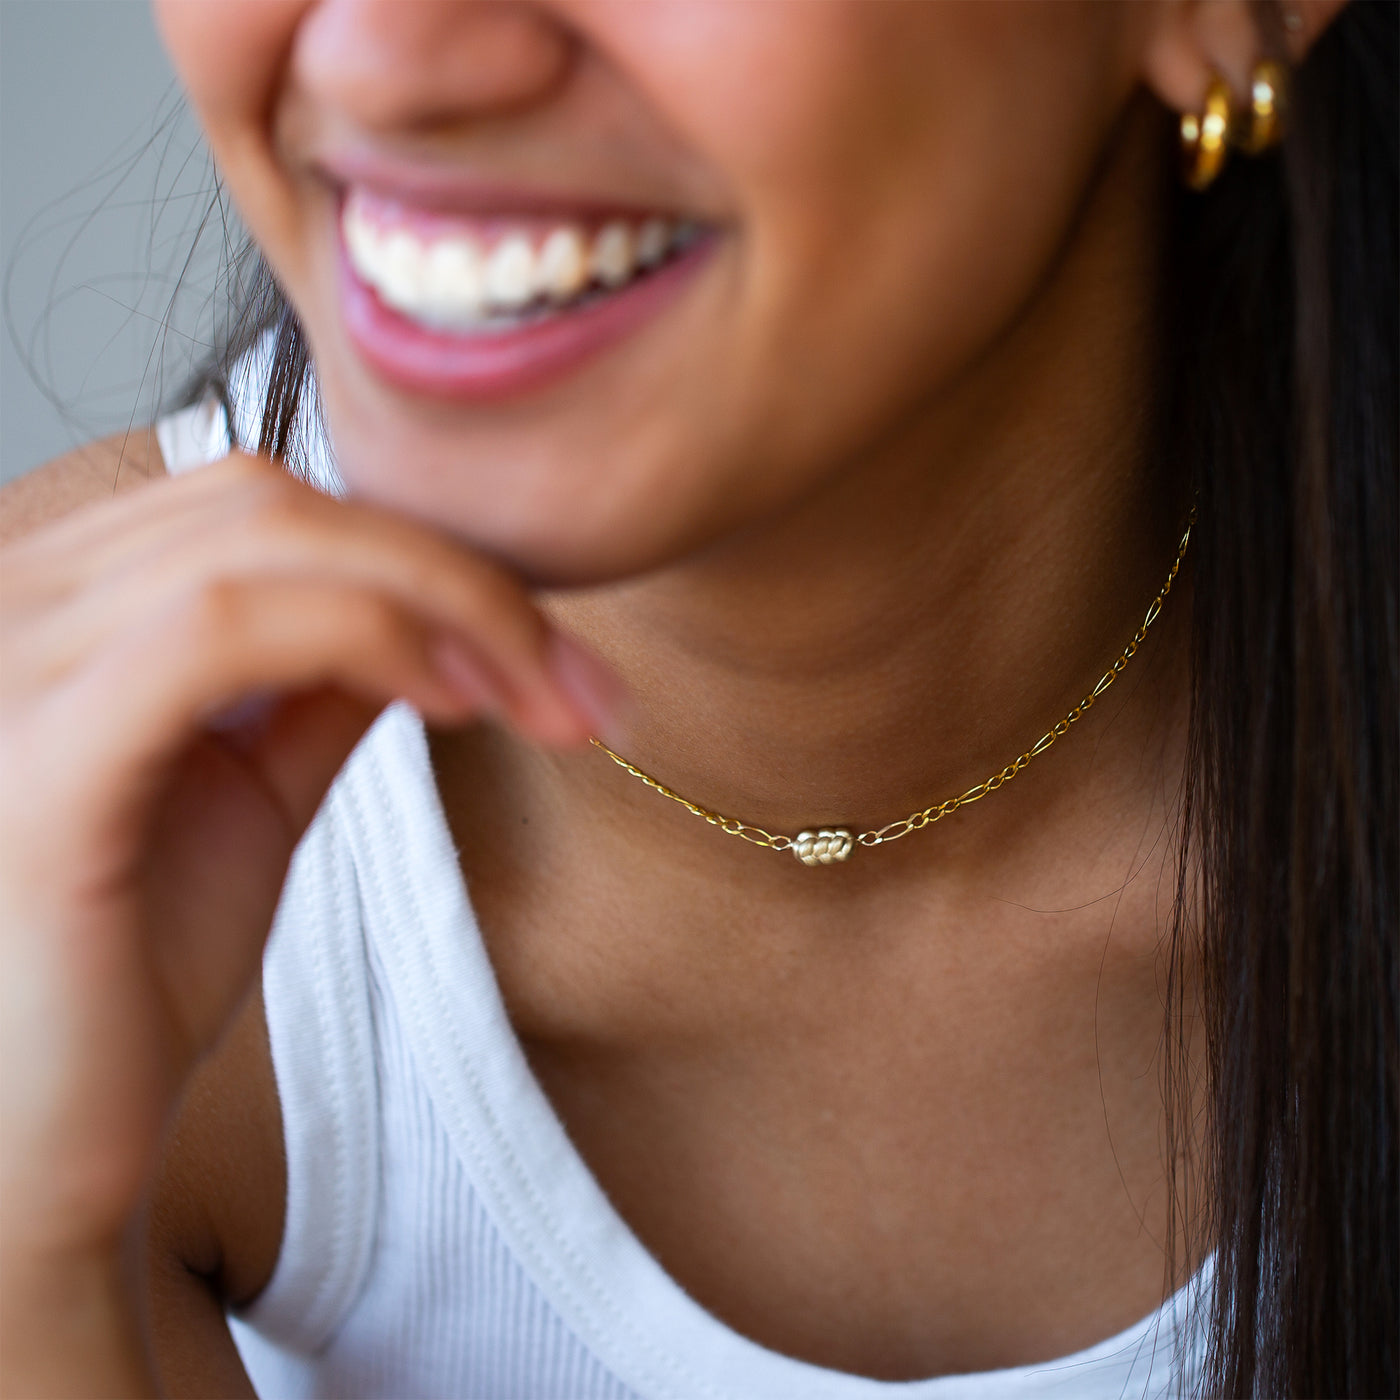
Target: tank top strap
(316,988)
(191,437)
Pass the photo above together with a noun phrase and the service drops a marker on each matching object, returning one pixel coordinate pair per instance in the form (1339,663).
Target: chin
(538,523)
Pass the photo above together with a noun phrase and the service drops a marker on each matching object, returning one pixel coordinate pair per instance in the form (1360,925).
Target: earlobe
(1194,41)
(1194,44)
(1223,64)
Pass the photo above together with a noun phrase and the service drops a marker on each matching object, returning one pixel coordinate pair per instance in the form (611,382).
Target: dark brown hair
(1279,384)
(1283,384)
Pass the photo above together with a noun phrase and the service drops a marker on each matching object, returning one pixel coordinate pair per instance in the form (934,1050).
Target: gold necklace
(828,845)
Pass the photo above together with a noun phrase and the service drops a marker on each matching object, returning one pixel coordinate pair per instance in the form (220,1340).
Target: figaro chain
(828,845)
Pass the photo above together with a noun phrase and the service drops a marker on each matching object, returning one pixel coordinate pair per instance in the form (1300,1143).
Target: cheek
(229,53)
(947,200)
(230,56)
(905,175)
(900,174)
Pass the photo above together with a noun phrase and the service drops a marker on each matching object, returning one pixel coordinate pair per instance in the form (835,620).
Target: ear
(1189,40)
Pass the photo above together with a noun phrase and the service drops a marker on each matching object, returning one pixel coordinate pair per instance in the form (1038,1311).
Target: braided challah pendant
(822,847)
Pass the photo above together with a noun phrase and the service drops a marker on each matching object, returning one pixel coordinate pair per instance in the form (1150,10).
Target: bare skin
(235,568)
(826,1184)
(100,470)
(887,1126)
(901,1117)
(214,1222)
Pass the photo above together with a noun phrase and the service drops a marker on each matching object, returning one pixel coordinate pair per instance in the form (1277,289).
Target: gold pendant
(822,847)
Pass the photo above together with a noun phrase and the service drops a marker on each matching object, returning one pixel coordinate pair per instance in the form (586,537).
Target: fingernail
(463,673)
(598,696)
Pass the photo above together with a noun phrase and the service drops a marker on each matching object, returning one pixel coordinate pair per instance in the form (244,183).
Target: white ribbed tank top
(443,1238)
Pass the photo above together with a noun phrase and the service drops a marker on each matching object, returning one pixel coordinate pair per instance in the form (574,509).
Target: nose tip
(394,64)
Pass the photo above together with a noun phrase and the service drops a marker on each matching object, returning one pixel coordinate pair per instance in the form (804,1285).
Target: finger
(285,528)
(300,533)
(162,682)
(67,554)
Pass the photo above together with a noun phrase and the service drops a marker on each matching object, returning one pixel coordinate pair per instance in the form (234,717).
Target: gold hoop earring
(1267,101)
(1204,135)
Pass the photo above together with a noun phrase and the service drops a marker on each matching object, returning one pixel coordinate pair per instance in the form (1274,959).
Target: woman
(810,403)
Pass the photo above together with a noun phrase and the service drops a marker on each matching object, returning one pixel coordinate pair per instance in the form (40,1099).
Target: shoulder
(217,1208)
(108,467)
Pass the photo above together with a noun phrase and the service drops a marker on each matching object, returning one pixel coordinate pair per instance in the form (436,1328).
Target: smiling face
(591,283)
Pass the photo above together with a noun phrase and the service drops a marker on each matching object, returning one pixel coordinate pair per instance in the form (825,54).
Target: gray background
(103,187)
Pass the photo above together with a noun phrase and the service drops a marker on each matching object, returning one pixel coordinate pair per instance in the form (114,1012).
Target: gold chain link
(812,847)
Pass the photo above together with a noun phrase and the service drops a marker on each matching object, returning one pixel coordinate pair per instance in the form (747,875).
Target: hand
(184,670)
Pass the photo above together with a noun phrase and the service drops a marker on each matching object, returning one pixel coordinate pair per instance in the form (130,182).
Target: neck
(937,605)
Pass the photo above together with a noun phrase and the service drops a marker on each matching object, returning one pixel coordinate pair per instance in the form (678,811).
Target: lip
(500,364)
(446,190)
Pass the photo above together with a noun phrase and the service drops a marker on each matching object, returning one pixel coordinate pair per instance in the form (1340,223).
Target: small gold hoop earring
(1267,100)
(1204,135)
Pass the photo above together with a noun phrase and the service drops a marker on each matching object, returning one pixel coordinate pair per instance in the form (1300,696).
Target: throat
(831,845)
(896,708)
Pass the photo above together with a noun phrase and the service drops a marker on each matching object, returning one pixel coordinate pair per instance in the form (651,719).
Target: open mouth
(478,275)
(477,306)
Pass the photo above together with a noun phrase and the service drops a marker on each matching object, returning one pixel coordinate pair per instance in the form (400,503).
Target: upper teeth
(451,278)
